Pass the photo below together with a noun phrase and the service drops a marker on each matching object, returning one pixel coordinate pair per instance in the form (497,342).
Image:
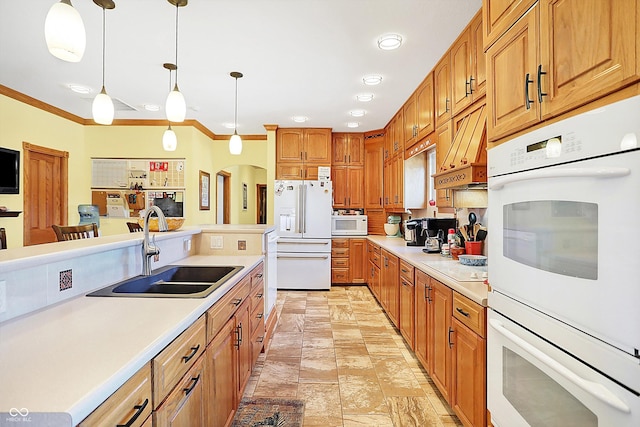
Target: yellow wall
(249,175)
(21,122)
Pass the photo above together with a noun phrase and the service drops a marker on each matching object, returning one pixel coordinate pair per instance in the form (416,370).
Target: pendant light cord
(235,116)
(177,8)
(103,43)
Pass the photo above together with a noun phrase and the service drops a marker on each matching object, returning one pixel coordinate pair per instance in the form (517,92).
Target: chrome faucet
(150,249)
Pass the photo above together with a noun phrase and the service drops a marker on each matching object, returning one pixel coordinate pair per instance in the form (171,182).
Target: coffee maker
(413,232)
(435,230)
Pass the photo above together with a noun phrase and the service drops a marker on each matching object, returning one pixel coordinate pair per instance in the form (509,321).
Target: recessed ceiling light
(390,41)
(151,107)
(79,88)
(372,79)
(300,119)
(353,124)
(357,113)
(364,97)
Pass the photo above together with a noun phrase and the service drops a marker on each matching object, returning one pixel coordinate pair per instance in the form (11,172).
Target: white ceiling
(298,57)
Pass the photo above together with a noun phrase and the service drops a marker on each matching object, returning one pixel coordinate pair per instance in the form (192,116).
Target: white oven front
(532,383)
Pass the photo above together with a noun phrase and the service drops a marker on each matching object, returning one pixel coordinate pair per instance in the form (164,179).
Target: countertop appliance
(349,225)
(564,324)
(303,222)
(435,230)
(413,233)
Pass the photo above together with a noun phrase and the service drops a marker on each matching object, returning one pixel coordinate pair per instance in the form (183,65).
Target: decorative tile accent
(66,280)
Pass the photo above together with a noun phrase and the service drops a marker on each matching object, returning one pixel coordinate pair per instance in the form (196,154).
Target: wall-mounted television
(9,171)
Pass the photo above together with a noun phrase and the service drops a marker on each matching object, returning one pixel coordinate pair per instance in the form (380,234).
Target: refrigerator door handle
(304,208)
(300,211)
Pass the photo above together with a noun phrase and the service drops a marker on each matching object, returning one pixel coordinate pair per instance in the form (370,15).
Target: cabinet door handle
(429,294)
(239,335)
(139,409)
(461,311)
(301,155)
(259,316)
(449,338)
(259,275)
(189,389)
(446,105)
(467,88)
(194,350)
(237,301)
(540,92)
(260,340)
(527,101)
(258,296)
(471,79)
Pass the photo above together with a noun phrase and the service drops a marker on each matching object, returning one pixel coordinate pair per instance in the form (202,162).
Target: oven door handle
(596,390)
(600,173)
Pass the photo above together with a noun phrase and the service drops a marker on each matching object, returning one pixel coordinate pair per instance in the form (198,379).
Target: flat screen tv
(9,171)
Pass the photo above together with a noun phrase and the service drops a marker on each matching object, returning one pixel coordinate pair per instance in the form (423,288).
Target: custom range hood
(465,164)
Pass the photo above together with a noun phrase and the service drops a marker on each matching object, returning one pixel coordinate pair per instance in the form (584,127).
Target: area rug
(257,412)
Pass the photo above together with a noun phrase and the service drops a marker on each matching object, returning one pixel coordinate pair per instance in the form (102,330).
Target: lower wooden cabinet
(407,303)
(440,337)
(348,260)
(220,379)
(185,405)
(390,292)
(423,311)
(243,345)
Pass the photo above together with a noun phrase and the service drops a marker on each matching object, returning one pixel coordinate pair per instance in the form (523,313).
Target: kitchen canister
(473,248)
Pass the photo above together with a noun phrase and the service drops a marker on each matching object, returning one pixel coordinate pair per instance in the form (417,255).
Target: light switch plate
(216,242)
(3,296)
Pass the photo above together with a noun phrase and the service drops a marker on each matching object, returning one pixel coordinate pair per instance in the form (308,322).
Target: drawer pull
(259,295)
(194,350)
(461,311)
(259,316)
(189,389)
(237,301)
(260,339)
(259,275)
(139,409)
(405,271)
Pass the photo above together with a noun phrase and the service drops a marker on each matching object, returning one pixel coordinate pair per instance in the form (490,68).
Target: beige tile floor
(338,351)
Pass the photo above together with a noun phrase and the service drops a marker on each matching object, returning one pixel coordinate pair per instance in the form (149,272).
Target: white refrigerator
(302,211)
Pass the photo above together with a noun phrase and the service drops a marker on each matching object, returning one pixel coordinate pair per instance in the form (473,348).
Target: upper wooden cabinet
(468,67)
(298,148)
(348,187)
(347,149)
(558,56)
(499,15)
(418,112)
(442,89)
(373,189)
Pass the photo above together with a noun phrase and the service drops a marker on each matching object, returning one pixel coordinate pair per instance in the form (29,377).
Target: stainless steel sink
(172,281)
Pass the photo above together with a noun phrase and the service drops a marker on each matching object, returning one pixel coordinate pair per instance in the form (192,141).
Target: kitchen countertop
(238,228)
(71,356)
(440,268)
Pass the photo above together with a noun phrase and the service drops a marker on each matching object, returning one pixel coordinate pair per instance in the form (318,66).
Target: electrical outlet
(216,242)
(156,257)
(242,245)
(3,296)
(186,245)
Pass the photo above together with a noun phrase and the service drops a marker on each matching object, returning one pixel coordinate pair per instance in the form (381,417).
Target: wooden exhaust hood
(465,165)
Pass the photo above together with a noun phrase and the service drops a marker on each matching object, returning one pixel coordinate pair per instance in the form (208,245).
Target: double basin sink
(172,281)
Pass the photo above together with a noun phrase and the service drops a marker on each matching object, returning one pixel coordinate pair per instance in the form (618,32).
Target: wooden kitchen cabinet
(348,187)
(221,377)
(242,319)
(407,303)
(423,313)
(538,69)
(425,108)
(444,139)
(349,260)
(299,152)
(257,330)
(185,405)
(357,260)
(468,368)
(339,260)
(410,117)
(390,291)
(442,90)
(129,405)
(468,68)
(498,16)
(373,173)
(440,337)
(373,256)
(347,149)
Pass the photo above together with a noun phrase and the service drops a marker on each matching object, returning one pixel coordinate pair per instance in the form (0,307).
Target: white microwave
(349,225)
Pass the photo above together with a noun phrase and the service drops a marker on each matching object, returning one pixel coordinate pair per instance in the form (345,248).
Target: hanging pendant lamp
(235,143)
(169,138)
(102,108)
(176,106)
(64,32)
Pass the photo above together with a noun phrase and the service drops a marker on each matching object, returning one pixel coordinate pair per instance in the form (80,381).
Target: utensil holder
(473,248)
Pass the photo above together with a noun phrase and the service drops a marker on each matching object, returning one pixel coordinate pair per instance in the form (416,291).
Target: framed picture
(205,181)
(244,196)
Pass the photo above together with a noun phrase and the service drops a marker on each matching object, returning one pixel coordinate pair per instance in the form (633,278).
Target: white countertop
(237,228)
(436,266)
(70,357)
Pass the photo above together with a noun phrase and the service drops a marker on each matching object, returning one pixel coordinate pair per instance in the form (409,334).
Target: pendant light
(235,143)
(169,138)
(64,32)
(176,107)
(102,107)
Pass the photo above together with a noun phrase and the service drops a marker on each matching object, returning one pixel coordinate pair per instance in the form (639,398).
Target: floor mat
(258,412)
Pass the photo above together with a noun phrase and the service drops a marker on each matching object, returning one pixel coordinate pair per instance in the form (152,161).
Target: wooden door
(421,305)
(340,149)
(374,280)
(289,171)
(221,377)
(356,149)
(468,393)
(392,280)
(444,138)
(45,192)
(588,48)
(243,344)
(388,141)
(355,179)
(399,169)
(442,90)
(460,72)
(442,299)
(373,174)
(425,110)
(357,261)
(398,133)
(410,115)
(317,146)
(185,405)
(407,311)
(289,145)
(499,15)
(478,58)
(340,188)
(511,70)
